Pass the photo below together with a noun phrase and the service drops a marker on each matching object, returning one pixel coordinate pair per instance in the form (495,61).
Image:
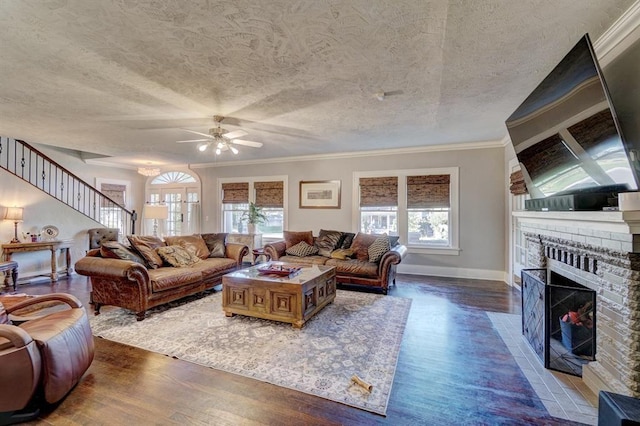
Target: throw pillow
(216,243)
(177,256)
(115,250)
(146,246)
(361,244)
(327,241)
(194,244)
(346,239)
(379,247)
(393,240)
(341,254)
(302,249)
(291,238)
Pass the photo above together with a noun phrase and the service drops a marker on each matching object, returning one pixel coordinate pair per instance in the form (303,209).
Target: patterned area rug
(358,334)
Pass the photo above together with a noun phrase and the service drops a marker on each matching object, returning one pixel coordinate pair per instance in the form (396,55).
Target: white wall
(41,209)
(482,203)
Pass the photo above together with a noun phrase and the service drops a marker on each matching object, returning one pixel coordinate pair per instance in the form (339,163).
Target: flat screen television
(568,140)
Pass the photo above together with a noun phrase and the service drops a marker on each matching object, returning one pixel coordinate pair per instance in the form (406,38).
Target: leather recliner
(43,358)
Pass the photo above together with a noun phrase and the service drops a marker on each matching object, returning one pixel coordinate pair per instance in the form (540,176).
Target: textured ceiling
(122,78)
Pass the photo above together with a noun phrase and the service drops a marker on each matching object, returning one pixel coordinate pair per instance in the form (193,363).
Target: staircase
(27,163)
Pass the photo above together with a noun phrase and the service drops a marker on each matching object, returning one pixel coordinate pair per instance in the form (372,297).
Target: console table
(53,246)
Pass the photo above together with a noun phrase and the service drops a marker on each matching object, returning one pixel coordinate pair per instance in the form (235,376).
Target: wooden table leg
(68,258)
(14,277)
(54,265)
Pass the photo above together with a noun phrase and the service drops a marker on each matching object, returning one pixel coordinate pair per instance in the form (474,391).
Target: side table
(259,252)
(9,267)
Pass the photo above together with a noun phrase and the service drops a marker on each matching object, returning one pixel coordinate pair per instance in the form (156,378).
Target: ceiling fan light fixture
(218,151)
(220,145)
(233,149)
(202,147)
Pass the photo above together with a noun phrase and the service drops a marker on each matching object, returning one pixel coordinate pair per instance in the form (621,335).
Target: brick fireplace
(601,251)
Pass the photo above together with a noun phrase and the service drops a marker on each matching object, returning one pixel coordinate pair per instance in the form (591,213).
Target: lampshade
(149,171)
(14,214)
(156,212)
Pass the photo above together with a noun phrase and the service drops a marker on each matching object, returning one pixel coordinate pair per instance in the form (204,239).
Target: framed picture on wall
(320,194)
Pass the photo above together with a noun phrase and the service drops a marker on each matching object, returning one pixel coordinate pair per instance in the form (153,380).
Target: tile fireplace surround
(601,251)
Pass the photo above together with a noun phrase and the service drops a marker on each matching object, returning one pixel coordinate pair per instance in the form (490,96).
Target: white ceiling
(122,78)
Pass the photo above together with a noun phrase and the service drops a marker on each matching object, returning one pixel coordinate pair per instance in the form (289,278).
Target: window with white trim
(379,205)
(267,193)
(419,205)
(428,210)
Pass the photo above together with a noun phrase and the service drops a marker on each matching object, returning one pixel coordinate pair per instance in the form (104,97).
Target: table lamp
(14,214)
(156,212)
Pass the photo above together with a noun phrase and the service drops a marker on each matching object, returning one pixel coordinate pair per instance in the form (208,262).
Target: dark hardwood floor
(453,369)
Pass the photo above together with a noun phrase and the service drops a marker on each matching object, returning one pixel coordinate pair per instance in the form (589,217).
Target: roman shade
(429,191)
(379,191)
(115,192)
(516,183)
(235,192)
(269,194)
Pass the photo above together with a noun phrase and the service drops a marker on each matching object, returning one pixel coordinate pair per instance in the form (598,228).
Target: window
(235,203)
(117,194)
(270,197)
(428,210)
(267,193)
(379,205)
(420,206)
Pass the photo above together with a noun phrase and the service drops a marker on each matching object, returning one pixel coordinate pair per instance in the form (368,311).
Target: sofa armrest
(390,258)
(275,249)
(236,252)
(112,268)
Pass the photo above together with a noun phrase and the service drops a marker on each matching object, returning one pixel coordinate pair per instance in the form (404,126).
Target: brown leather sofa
(135,277)
(44,356)
(357,270)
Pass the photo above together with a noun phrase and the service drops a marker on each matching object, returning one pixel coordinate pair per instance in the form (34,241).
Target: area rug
(358,334)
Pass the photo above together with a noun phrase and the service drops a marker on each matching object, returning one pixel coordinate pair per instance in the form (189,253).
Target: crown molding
(619,36)
(356,154)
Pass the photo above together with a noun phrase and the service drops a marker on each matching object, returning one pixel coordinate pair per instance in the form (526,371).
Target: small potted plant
(254,216)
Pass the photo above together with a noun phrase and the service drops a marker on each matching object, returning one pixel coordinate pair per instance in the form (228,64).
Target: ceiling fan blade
(235,134)
(195,140)
(247,143)
(197,133)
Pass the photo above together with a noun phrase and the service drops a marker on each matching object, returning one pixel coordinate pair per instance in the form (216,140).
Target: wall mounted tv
(568,140)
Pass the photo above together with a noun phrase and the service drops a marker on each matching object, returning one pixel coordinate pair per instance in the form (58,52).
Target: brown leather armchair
(98,235)
(43,358)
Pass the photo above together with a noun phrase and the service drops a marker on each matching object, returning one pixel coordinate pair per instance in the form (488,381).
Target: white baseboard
(452,272)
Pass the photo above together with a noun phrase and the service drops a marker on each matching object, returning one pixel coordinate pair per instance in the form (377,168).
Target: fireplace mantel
(624,222)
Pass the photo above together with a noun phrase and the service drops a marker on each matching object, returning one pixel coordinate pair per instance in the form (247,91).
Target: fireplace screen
(571,321)
(558,320)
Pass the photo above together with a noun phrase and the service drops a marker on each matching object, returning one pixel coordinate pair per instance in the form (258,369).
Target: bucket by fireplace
(558,320)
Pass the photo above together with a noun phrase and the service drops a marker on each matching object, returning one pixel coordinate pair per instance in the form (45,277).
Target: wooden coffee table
(292,299)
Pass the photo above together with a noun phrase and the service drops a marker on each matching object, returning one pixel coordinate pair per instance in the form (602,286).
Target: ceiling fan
(220,139)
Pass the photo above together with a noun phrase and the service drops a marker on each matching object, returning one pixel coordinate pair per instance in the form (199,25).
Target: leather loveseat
(151,271)
(360,259)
